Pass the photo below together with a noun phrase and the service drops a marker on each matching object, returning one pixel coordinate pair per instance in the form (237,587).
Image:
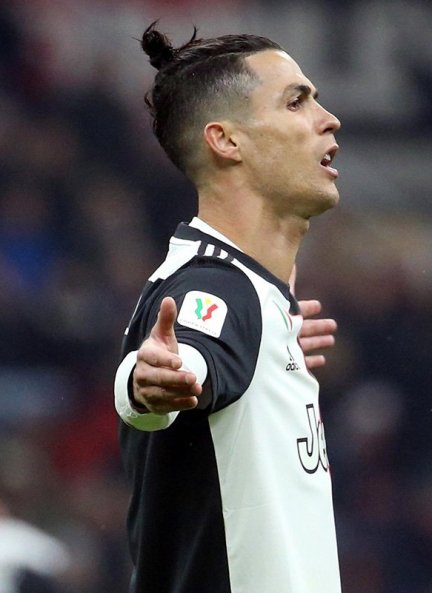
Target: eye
(295,104)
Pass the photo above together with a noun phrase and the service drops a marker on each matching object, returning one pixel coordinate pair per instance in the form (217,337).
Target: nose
(328,122)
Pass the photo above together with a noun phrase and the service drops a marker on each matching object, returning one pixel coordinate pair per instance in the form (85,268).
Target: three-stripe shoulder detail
(209,250)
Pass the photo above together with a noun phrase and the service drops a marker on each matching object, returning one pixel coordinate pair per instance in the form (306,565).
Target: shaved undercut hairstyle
(202,81)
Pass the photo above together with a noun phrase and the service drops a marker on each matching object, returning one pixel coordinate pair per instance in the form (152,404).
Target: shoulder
(211,276)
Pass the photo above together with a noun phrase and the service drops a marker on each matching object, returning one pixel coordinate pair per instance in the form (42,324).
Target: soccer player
(226,458)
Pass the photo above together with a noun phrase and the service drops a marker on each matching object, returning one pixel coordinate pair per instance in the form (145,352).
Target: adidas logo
(292,365)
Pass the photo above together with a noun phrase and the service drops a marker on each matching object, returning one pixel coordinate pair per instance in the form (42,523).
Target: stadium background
(87,204)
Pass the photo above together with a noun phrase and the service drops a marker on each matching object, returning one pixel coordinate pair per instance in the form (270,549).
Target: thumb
(163,329)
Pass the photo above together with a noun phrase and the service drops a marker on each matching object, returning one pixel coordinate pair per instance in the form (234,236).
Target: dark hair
(199,81)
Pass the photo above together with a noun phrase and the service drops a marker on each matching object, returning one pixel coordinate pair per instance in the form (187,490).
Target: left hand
(315,334)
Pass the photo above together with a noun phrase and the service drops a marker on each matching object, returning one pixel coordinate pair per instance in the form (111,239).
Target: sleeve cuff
(192,360)
(147,421)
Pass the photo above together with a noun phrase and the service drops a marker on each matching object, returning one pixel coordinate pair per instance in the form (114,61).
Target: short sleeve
(219,314)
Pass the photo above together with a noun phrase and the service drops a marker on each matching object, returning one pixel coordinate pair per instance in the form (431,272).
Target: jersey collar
(197,223)
(194,232)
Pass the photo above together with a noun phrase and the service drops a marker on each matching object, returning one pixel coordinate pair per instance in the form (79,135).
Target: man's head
(242,100)
(202,81)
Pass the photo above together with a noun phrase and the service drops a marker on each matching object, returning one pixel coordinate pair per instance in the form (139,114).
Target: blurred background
(87,204)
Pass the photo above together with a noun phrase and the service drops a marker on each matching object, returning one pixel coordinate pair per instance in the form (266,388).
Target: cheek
(275,146)
(275,149)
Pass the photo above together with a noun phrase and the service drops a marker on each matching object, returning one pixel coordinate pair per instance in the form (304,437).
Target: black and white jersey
(234,496)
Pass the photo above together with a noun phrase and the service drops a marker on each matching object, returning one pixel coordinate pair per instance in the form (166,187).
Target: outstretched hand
(315,334)
(159,386)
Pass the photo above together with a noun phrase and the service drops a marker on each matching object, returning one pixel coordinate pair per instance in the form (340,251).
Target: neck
(271,238)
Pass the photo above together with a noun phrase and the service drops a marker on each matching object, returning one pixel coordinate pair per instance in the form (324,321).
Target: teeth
(326,159)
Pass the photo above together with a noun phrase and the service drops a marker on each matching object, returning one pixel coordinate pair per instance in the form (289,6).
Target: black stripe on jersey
(229,258)
(202,248)
(164,468)
(294,308)
(205,249)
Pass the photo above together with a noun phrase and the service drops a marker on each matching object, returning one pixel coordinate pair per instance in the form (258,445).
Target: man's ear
(221,140)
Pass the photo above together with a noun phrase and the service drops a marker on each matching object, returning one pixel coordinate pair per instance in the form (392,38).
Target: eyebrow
(304,89)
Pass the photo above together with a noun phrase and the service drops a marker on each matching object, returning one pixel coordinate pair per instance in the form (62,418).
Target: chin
(333,198)
(324,200)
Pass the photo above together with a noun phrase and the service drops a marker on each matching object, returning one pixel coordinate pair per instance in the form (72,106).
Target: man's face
(288,141)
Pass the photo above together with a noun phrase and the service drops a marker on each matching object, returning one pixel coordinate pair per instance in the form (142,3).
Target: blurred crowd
(87,203)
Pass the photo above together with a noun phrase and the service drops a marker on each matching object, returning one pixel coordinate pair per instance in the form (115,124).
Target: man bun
(158,47)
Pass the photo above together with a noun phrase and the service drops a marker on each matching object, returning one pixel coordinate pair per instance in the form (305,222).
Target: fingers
(173,397)
(155,355)
(315,334)
(163,405)
(164,326)
(159,385)
(162,401)
(316,343)
(318,327)
(315,361)
(309,308)
(146,375)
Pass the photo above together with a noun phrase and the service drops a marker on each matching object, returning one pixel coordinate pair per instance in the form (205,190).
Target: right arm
(203,357)
(159,378)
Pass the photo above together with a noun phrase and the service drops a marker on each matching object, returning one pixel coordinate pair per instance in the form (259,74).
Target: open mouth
(327,160)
